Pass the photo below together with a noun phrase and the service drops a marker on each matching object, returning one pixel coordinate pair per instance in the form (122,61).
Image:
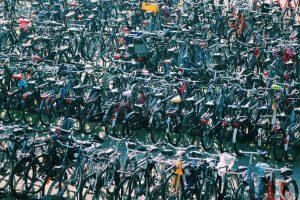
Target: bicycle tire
(122,190)
(243,192)
(3,108)
(157,193)
(266,140)
(18,174)
(208,189)
(74,174)
(14,109)
(6,169)
(225,140)
(278,145)
(208,135)
(40,167)
(157,126)
(286,190)
(139,185)
(30,112)
(89,188)
(174,134)
(118,130)
(189,129)
(44,112)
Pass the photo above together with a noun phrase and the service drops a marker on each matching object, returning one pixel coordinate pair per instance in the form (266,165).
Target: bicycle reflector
(235,124)
(224,124)
(203,121)
(24,24)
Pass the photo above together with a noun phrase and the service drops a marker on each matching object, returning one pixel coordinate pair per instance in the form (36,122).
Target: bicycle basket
(140,46)
(150,7)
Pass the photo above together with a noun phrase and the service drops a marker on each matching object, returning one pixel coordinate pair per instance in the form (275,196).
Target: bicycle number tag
(234,135)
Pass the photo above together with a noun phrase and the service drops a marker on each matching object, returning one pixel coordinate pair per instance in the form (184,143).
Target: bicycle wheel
(291,191)
(18,178)
(174,132)
(172,189)
(240,140)
(111,14)
(158,193)
(189,129)
(3,108)
(134,126)
(244,193)
(157,126)
(122,192)
(44,112)
(208,134)
(94,46)
(118,130)
(5,169)
(139,185)
(225,140)
(278,145)
(91,114)
(75,110)
(30,112)
(109,179)
(208,190)
(90,187)
(292,152)
(57,111)
(266,143)
(71,181)
(14,109)
(108,120)
(36,173)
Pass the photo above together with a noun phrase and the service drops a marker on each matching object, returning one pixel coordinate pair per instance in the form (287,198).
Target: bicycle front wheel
(244,193)
(291,191)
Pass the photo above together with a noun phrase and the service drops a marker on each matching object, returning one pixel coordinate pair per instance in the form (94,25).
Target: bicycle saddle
(210,103)
(286,172)
(281,116)
(263,108)
(191,99)
(159,95)
(297,110)
(247,106)
(233,107)
(242,168)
